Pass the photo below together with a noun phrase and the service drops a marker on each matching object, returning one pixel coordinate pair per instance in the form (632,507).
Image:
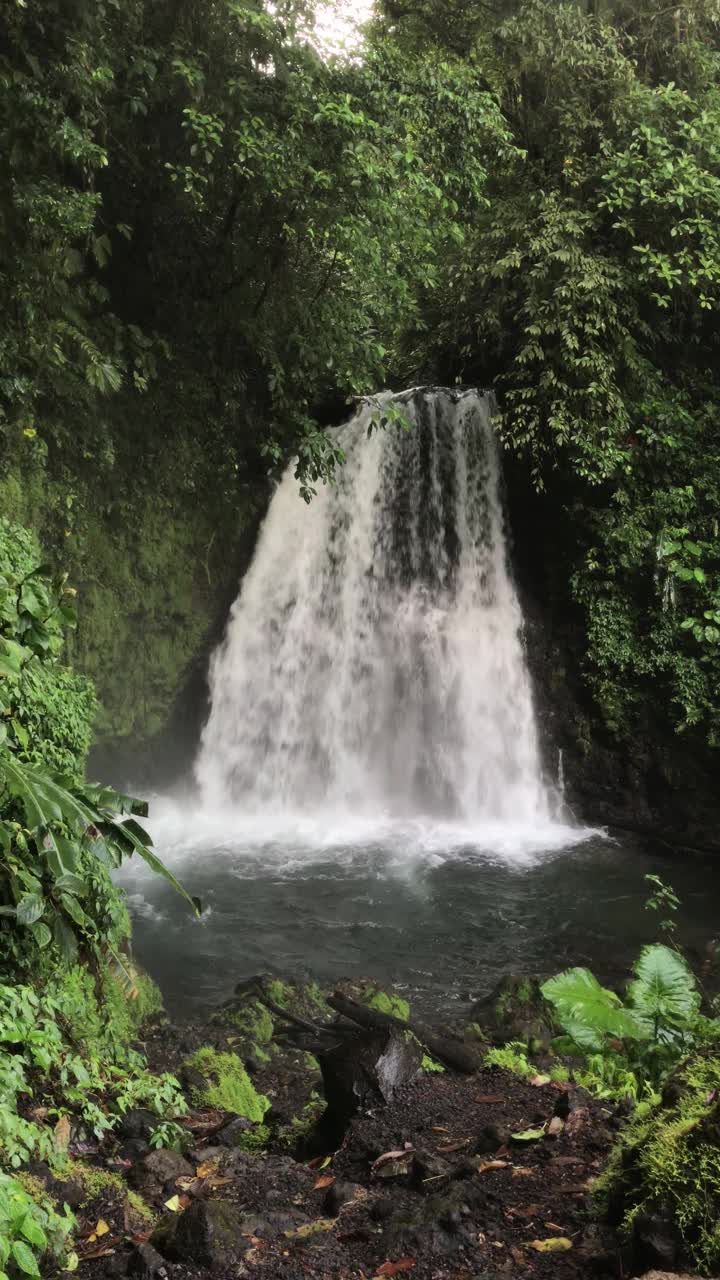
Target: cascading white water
(373,662)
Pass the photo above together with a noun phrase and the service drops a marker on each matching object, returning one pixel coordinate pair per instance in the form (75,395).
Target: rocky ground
(410,1169)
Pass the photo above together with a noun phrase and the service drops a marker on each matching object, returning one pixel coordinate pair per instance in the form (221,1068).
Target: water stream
(370,793)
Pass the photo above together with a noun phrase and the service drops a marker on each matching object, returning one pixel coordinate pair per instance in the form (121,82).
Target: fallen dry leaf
(487,1165)
(174,1204)
(553,1226)
(539,1081)
(404,1154)
(454,1146)
(520,1172)
(528,1211)
(102,1228)
(396,1268)
(326,1180)
(63,1129)
(140,1237)
(204,1170)
(555,1244)
(518,1256)
(319,1162)
(439,1128)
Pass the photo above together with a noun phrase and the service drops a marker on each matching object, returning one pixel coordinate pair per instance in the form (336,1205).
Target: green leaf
(528,1135)
(139,842)
(42,935)
(24,1258)
(74,910)
(589,1013)
(65,940)
(664,992)
(30,908)
(33,1232)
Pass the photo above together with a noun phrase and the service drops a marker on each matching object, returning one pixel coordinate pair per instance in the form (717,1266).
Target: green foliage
(431,1064)
(384,1002)
(60,847)
(511,1057)
(30,1230)
(671,1154)
(628,1048)
(229,1085)
(170,1136)
(66,1045)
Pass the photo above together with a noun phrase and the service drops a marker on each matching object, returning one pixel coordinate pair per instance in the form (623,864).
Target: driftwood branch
(452,1053)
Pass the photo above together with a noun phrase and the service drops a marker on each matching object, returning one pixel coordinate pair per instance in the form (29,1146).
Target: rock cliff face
(155,549)
(646,778)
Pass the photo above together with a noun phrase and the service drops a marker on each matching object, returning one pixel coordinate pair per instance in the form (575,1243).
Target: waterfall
(373,661)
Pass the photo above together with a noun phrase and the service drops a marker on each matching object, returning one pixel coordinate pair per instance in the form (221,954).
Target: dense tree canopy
(213,235)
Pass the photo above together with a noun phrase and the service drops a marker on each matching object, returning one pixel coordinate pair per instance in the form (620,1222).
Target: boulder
(160,1170)
(207,1234)
(515,1010)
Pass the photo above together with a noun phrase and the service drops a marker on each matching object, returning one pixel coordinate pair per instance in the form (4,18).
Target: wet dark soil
(435,1185)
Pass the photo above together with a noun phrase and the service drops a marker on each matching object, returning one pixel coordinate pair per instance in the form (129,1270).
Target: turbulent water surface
(369,790)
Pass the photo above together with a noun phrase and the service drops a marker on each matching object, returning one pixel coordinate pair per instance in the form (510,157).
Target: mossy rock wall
(667,1168)
(156,546)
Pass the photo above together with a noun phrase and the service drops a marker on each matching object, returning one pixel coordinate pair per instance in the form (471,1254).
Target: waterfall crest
(373,661)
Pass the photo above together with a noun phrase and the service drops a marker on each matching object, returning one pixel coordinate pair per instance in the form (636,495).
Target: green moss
(141,1210)
(251,1019)
(430,1064)
(673,1154)
(473,1031)
(97,1182)
(279,992)
(229,1085)
(314,994)
(385,1003)
(255,1139)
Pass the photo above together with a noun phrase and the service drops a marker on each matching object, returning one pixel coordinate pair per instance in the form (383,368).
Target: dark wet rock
(134,1149)
(160,1169)
(597,1248)
(138,1123)
(339,1194)
(233,1133)
(146,1263)
(435,1224)
(367,1072)
(192,1080)
(208,1233)
(429,1172)
(655,1239)
(491,1138)
(514,1010)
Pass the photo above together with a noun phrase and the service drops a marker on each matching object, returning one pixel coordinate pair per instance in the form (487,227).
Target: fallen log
(451,1053)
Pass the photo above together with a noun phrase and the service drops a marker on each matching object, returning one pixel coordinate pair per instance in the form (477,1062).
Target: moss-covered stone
(514,1010)
(670,1156)
(370,993)
(229,1086)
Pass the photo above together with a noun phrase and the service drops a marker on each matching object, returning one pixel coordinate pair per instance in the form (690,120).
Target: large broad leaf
(589,1013)
(139,842)
(46,800)
(664,993)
